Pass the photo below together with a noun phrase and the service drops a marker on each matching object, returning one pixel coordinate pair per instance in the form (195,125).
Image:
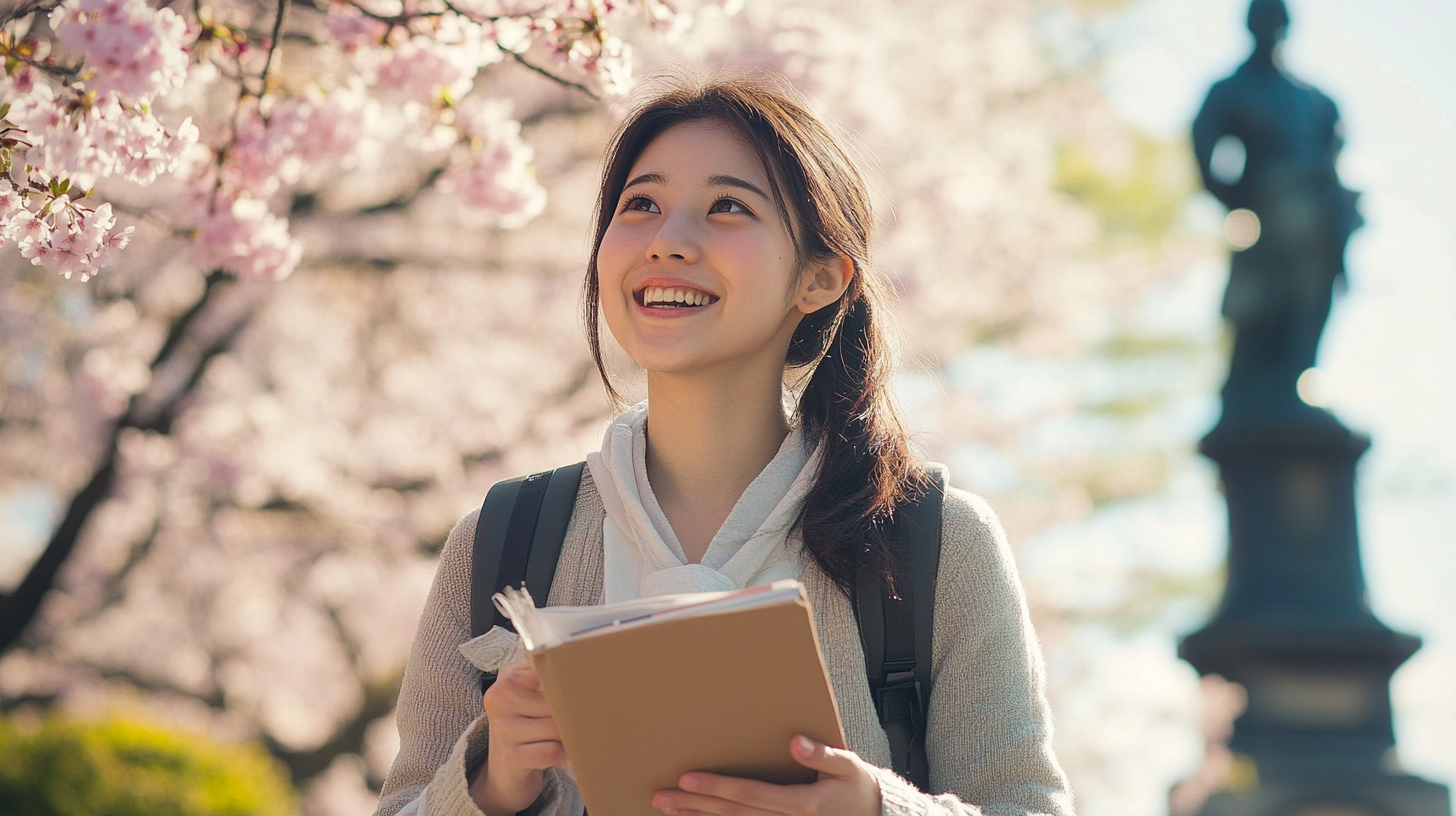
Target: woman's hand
(523,743)
(846,787)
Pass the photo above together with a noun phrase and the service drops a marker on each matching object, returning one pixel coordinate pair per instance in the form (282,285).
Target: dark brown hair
(868,469)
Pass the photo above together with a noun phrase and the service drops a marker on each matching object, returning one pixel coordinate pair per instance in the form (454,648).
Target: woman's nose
(675,240)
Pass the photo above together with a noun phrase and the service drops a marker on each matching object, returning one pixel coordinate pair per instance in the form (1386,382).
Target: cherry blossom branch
(404,18)
(408,197)
(78,125)
(19,608)
(560,80)
(27,9)
(41,701)
(396,20)
(348,737)
(272,47)
(113,589)
(214,698)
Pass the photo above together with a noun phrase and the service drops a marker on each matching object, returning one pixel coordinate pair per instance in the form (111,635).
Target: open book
(644,691)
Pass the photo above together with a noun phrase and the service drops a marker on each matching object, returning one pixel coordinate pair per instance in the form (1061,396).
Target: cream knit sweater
(989,739)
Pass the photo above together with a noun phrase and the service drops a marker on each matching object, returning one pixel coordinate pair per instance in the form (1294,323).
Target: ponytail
(867,468)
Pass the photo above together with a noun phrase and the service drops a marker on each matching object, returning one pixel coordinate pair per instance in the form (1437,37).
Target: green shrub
(118,767)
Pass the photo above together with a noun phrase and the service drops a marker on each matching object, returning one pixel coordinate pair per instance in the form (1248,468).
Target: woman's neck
(707,440)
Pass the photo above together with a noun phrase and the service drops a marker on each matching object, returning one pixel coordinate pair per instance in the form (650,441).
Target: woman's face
(696,269)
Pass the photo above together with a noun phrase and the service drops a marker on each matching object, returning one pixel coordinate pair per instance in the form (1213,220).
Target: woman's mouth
(673,297)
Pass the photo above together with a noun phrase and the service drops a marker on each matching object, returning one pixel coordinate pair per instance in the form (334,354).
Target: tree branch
(19,608)
(27,8)
(215,699)
(42,701)
(272,47)
(560,80)
(112,591)
(184,321)
(348,737)
(407,197)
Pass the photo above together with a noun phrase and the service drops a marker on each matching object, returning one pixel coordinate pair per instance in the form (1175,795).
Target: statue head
(1268,21)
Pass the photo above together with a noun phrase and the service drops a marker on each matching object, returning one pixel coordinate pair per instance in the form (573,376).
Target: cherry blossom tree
(246,124)
(242,481)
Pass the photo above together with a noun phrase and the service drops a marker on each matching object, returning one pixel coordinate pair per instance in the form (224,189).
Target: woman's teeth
(664,296)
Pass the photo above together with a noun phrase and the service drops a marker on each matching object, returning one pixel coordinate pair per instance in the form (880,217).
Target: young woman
(731,261)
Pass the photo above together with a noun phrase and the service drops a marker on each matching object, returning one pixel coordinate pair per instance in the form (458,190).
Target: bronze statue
(1294,627)
(1280,288)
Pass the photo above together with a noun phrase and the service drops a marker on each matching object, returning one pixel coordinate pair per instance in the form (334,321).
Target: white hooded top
(642,556)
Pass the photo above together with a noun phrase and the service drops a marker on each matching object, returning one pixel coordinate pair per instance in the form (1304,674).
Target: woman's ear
(823,282)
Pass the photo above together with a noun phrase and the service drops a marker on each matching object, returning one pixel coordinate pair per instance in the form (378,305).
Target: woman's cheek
(610,265)
(612,268)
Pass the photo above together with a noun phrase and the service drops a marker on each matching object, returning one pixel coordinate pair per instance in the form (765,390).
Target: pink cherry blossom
(130,49)
(245,238)
(114,242)
(26,229)
(34,109)
(64,236)
(352,30)
(271,152)
(422,67)
(495,177)
(10,201)
(391,74)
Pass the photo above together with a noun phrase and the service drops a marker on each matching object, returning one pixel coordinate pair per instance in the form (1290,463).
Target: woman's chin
(672,369)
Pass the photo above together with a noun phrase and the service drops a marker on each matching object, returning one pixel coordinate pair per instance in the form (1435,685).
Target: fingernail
(689,782)
(805,744)
(662,802)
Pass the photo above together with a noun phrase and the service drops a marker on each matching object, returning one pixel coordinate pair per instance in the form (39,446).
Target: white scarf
(642,555)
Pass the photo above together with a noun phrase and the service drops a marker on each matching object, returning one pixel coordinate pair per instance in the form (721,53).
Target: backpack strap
(518,538)
(897,628)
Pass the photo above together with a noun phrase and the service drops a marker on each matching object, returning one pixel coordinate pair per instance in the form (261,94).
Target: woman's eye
(728,205)
(639,204)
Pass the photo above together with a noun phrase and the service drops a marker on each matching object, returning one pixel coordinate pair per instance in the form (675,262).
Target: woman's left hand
(846,787)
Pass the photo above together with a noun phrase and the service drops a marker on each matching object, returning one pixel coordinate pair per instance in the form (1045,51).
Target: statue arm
(1208,127)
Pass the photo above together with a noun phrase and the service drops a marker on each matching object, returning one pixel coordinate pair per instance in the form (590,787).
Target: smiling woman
(731,257)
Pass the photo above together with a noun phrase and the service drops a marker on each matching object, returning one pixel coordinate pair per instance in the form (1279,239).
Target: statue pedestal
(1333,794)
(1295,630)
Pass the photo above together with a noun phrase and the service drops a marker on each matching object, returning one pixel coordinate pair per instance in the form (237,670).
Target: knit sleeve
(443,731)
(989,740)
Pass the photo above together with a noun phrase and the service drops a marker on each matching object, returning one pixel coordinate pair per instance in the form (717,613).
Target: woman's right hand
(523,743)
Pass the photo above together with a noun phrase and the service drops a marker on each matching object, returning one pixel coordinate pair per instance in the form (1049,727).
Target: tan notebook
(644,691)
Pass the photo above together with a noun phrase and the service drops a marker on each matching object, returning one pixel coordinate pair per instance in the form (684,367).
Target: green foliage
(118,767)
(1151,595)
(1100,6)
(1130,345)
(1140,200)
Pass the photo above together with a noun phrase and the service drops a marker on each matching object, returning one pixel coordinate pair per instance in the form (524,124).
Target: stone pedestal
(1295,629)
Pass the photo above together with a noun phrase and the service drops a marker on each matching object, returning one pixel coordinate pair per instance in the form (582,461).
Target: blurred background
(256,573)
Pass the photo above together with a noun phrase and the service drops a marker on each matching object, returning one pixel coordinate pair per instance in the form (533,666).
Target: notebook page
(542,628)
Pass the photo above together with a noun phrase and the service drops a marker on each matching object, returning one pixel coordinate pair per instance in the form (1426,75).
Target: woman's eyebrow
(734,181)
(646,178)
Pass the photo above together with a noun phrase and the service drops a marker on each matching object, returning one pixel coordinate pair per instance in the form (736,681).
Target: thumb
(822,758)
(520,673)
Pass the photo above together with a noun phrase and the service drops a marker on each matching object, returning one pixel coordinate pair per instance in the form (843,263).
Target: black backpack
(518,541)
